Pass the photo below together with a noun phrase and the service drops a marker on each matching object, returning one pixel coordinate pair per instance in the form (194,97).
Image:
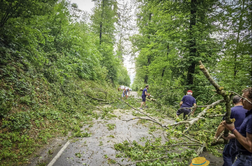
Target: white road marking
(59,153)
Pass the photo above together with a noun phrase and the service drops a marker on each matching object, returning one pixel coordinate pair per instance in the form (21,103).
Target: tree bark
(192,43)
(165,61)
(163,72)
(148,56)
(101,21)
(220,91)
(238,41)
(200,115)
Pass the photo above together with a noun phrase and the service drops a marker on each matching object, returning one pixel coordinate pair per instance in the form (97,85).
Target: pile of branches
(193,120)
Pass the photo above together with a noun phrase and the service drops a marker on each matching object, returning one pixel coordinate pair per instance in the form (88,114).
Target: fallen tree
(193,120)
(185,134)
(190,121)
(220,91)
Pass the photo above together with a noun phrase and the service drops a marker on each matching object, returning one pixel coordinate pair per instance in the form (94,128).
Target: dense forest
(58,62)
(175,35)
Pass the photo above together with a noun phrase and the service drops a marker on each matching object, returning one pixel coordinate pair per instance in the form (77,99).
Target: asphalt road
(98,150)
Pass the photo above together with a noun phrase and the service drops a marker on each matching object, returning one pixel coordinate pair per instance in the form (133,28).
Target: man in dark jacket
(186,103)
(243,136)
(237,112)
(144,94)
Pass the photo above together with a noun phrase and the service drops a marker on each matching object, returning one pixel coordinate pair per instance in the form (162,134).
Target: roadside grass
(33,122)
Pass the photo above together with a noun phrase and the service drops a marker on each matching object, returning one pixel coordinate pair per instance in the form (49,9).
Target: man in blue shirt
(123,93)
(144,94)
(186,103)
(237,112)
(244,134)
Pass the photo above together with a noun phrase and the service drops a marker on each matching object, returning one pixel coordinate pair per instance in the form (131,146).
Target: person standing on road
(237,112)
(144,94)
(124,93)
(185,105)
(243,136)
(128,92)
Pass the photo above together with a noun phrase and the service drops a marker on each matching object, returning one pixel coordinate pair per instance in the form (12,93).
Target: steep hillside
(53,70)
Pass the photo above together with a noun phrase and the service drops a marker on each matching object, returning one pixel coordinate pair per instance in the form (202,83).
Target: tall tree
(103,24)
(192,42)
(236,32)
(123,29)
(173,39)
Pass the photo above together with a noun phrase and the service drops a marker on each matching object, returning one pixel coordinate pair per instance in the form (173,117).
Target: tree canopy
(175,35)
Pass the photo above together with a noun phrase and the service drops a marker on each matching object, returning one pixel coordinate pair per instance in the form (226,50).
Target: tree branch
(220,91)
(200,115)
(153,120)
(200,150)
(217,115)
(146,160)
(181,144)
(240,96)
(211,98)
(94,98)
(138,110)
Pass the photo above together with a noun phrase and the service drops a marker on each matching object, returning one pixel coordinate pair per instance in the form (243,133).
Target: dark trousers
(184,111)
(243,160)
(229,153)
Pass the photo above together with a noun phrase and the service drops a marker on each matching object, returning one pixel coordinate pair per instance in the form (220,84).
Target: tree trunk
(146,79)
(238,42)
(101,21)
(165,61)
(148,56)
(163,71)
(192,43)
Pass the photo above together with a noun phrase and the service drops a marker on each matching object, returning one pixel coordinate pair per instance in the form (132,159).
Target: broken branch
(220,91)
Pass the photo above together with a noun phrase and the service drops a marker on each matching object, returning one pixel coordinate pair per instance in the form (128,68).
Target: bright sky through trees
(85,5)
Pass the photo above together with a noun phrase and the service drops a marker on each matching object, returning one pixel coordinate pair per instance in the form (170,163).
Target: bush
(17,122)
(6,99)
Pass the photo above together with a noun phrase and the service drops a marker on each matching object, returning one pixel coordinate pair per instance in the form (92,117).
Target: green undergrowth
(153,152)
(33,111)
(174,150)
